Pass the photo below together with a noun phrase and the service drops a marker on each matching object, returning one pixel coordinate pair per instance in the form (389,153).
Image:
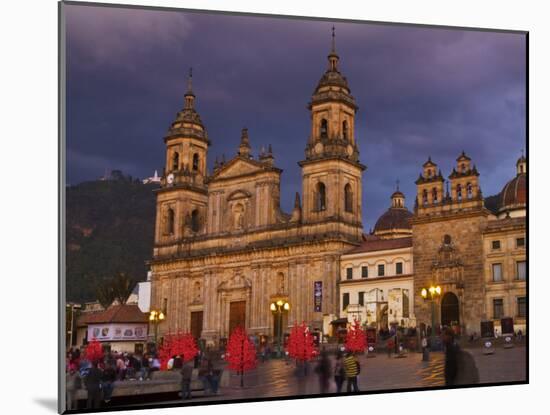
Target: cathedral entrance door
(237,315)
(449,309)
(196,324)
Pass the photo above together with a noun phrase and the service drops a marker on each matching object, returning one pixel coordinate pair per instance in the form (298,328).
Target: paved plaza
(277,378)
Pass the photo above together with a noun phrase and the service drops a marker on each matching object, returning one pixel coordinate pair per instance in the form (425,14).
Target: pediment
(238,167)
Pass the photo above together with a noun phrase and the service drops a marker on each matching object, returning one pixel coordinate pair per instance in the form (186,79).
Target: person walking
(323,371)
(108,382)
(74,383)
(186,375)
(339,372)
(205,373)
(351,369)
(460,367)
(93,385)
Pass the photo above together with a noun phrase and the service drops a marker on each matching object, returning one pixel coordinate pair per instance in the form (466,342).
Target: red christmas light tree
(356,341)
(300,343)
(182,344)
(240,352)
(94,351)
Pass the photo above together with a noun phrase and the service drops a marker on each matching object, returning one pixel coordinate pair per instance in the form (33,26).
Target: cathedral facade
(224,250)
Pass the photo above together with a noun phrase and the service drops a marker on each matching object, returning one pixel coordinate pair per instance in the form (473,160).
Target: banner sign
(317,295)
(115,332)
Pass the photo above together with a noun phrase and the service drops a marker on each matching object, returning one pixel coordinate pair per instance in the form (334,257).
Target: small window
(345,129)
(321,196)
(498,308)
(349,273)
(522,306)
(521,270)
(324,128)
(361,298)
(364,272)
(469,191)
(459,192)
(434,195)
(497,272)
(195,225)
(424,197)
(381,270)
(164,305)
(399,268)
(345,301)
(520,243)
(170,221)
(496,245)
(195,162)
(176,161)
(348,198)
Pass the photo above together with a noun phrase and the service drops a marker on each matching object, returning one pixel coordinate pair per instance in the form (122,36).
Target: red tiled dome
(514,193)
(394,218)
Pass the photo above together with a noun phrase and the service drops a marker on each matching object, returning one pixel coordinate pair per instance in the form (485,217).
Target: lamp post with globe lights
(432,293)
(155,317)
(278,308)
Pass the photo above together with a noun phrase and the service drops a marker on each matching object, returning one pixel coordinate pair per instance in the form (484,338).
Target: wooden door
(237,315)
(196,324)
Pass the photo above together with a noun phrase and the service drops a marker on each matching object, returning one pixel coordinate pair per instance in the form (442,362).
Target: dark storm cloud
(420,91)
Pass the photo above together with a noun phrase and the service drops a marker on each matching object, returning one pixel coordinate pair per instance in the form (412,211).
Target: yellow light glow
(438,290)
(161,316)
(286,306)
(432,290)
(280,303)
(424,293)
(273,307)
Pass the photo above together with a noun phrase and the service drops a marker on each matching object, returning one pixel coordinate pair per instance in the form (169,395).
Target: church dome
(514,193)
(393,219)
(332,77)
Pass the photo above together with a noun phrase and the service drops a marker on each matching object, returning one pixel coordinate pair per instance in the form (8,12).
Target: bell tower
(182,198)
(331,171)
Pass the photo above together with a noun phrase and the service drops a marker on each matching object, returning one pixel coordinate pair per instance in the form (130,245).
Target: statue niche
(238,202)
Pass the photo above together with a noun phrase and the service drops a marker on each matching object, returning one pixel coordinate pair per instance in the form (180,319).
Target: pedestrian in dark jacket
(108,382)
(339,372)
(186,375)
(460,367)
(323,371)
(93,385)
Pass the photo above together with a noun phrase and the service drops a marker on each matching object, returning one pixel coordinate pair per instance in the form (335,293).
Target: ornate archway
(450,310)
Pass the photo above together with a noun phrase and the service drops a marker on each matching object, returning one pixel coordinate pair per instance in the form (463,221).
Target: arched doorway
(450,310)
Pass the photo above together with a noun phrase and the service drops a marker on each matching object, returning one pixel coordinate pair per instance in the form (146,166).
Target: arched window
(321,196)
(424,197)
(469,191)
(195,162)
(324,128)
(195,220)
(434,195)
(459,192)
(176,161)
(348,198)
(170,221)
(429,173)
(463,167)
(345,129)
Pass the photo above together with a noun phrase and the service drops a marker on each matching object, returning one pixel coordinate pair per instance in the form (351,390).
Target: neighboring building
(376,278)
(144,294)
(504,248)
(224,249)
(121,328)
(154,179)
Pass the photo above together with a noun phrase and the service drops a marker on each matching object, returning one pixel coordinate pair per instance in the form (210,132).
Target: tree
(300,343)
(94,351)
(118,288)
(240,352)
(182,344)
(356,340)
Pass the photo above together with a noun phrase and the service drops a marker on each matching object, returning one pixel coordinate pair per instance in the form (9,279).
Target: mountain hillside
(110,227)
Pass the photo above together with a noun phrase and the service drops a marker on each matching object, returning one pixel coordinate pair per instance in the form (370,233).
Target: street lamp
(432,292)
(277,308)
(155,317)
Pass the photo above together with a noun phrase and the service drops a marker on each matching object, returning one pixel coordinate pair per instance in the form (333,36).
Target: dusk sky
(421,92)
